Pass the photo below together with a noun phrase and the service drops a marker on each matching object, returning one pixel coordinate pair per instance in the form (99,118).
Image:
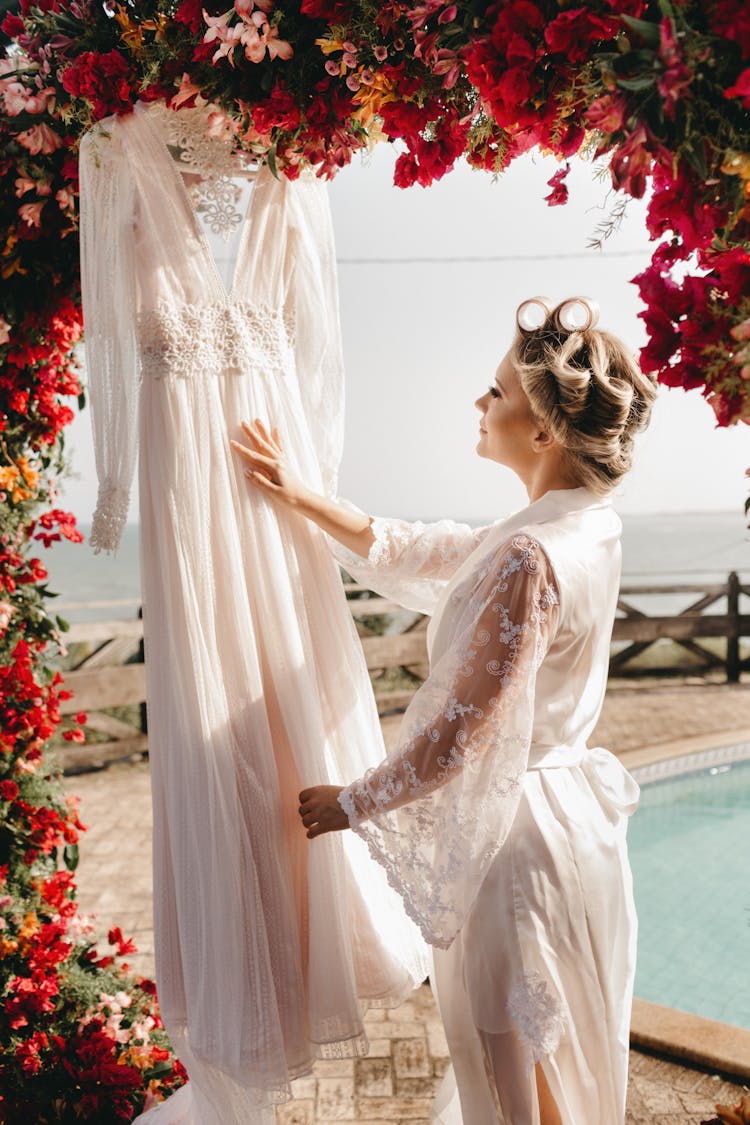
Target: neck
(547,478)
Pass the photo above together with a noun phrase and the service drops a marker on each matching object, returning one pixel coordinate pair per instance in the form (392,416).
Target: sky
(429,281)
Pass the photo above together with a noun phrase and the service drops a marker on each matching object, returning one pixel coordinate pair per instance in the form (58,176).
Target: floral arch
(661,88)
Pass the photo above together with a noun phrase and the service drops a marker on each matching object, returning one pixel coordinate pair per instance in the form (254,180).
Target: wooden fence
(110,673)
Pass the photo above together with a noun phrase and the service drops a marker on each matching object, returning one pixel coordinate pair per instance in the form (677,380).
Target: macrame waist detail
(197,341)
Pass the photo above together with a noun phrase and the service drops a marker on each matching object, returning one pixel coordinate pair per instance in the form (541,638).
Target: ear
(543,441)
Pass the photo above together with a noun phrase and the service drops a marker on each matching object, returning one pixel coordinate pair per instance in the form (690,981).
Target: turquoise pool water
(690,853)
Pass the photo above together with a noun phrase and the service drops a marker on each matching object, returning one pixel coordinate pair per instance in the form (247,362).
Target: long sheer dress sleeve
(436,811)
(108,289)
(411,563)
(314,308)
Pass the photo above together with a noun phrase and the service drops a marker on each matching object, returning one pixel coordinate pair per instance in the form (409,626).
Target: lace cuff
(109,518)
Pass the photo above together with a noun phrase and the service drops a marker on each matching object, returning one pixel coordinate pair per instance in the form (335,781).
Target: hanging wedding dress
(502,830)
(266,947)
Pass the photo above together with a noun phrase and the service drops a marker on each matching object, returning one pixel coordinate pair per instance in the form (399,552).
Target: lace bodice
(199,341)
(436,811)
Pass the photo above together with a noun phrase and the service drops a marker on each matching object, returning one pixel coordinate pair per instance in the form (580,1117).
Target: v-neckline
(227,294)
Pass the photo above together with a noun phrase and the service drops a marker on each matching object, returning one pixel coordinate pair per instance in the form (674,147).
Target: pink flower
(278,48)
(15,97)
(66,199)
(4,337)
(676,77)
(607,114)
(39,138)
(31,213)
(24,184)
(380,53)
(448,14)
(6,609)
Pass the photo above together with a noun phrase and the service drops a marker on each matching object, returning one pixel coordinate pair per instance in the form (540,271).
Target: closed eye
(494,391)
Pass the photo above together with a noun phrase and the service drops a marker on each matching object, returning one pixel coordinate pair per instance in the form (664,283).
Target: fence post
(142,658)
(733,632)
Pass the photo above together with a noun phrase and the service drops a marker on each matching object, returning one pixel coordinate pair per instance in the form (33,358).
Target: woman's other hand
(320,810)
(267,465)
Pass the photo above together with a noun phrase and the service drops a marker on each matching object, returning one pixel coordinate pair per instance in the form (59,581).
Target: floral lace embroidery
(198,341)
(435,552)
(436,849)
(538,1016)
(210,158)
(109,517)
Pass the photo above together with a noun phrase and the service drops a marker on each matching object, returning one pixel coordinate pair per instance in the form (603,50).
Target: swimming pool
(689,847)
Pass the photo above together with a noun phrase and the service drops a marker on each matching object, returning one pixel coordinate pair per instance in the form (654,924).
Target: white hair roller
(533,313)
(577,314)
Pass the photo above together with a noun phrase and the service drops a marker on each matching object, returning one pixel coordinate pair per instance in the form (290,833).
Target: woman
(503,832)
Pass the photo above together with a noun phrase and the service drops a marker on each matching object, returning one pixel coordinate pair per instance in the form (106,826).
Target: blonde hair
(589,392)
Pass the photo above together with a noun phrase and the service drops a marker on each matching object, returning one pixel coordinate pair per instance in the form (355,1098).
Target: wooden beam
(685,627)
(106,687)
(82,759)
(396,650)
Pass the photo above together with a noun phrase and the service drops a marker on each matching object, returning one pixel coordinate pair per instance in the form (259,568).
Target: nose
(481,404)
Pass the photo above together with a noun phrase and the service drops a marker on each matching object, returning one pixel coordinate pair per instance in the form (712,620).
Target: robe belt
(605,773)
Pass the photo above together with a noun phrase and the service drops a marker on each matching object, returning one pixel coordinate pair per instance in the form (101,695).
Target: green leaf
(642,82)
(157,1070)
(70,856)
(62,624)
(271,157)
(648,31)
(82,400)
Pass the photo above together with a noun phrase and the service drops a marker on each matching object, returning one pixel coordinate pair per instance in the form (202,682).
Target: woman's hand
(268,466)
(321,811)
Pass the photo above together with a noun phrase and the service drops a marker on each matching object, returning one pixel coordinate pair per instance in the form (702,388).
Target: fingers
(261,437)
(251,456)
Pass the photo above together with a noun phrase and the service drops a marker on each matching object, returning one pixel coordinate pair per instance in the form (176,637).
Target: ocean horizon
(661,549)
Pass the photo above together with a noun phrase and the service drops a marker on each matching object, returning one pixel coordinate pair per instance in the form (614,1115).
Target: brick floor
(408,1055)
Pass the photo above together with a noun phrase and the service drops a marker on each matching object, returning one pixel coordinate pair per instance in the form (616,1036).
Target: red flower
(740,89)
(124,945)
(103,80)
(632,161)
(28,1052)
(559,193)
(190,13)
(8,790)
(573,32)
(731,19)
(279,111)
(332,11)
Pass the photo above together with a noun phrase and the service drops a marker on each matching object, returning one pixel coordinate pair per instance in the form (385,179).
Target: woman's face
(507,427)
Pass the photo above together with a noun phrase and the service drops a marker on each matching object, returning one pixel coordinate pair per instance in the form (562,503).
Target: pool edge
(682,1036)
(691,1039)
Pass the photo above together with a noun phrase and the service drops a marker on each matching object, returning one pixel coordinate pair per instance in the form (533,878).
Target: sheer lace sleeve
(437,810)
(314,307)
(411,562)
(108,293)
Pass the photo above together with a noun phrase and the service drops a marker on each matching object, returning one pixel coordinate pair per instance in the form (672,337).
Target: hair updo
(588,391)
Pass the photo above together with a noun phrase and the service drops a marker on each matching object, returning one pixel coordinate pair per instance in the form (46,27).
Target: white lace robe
(265,948)
(502,831)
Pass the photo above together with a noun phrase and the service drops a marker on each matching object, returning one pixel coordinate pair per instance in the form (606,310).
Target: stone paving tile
(395,1084)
